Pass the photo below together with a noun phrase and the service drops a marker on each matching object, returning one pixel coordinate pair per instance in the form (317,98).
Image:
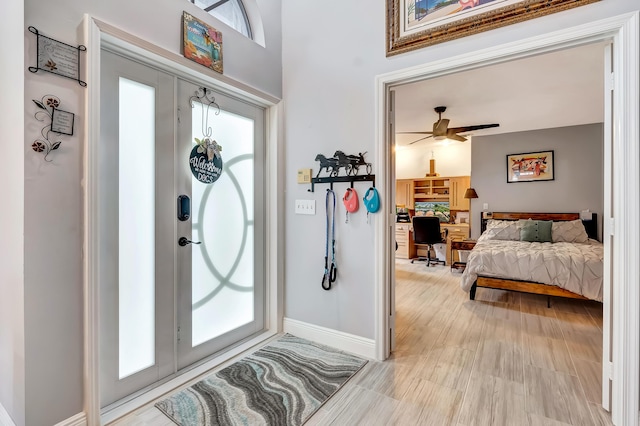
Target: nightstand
(460,245)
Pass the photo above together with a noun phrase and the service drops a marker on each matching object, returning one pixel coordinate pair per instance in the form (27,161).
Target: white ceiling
(563,88)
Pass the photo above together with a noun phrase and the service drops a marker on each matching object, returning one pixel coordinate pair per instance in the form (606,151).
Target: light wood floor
(503,359)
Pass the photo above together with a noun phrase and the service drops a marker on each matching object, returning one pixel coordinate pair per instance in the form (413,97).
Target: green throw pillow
(538,231)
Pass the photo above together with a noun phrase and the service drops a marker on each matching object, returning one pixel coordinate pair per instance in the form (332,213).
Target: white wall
(332,51)
(578,173)
(412,161)
(12,396)
(53,191)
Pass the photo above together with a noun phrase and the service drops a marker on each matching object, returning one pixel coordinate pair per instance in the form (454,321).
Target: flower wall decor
(59,123)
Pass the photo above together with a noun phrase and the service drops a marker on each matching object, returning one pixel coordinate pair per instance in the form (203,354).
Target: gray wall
(12,396)
(332,52)
(53,215)
(578,172)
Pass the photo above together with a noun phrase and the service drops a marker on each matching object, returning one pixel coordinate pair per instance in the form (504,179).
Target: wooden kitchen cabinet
(457,187)
(433,188)
(404,193)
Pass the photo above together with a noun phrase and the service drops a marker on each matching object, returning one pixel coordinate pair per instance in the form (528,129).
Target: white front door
(222,275)
(166,304)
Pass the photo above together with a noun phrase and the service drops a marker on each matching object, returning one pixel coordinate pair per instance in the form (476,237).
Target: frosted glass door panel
(135,227)
(136,251)
(223,265)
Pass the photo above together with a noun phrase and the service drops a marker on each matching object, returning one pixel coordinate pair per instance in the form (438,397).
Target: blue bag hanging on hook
(371,201)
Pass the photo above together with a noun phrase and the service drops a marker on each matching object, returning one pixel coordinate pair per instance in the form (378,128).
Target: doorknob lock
(183,241)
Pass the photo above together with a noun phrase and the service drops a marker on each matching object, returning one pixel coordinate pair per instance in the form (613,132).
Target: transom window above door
(231,12)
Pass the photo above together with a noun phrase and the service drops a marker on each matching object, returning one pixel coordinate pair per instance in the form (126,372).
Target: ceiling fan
(441,130)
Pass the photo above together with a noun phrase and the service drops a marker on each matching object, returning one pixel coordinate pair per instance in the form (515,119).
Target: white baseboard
(5,418)
(344,341)
(79,419)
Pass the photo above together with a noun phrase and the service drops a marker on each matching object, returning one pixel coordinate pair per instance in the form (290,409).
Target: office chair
(426,231)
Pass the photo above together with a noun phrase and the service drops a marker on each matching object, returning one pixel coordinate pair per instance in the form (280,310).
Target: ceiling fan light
(440,138)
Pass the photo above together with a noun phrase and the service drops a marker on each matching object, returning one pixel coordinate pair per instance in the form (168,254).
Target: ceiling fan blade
(421,139)
(470,128)
(414,133)
(455,137)
(440,126)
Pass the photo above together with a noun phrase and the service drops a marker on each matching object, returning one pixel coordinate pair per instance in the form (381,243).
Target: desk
(460,245)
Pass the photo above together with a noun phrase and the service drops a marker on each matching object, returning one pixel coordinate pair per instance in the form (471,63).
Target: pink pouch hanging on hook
(351,203)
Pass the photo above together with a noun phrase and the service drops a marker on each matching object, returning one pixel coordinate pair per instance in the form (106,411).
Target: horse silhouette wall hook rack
(351,165)
(351,179)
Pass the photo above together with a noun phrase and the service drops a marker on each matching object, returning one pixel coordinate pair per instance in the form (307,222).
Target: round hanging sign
(205,160)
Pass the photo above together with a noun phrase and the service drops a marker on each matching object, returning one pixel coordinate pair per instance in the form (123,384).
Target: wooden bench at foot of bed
(522,287)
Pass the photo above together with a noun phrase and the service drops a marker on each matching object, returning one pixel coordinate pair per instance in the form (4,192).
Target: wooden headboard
(591,226)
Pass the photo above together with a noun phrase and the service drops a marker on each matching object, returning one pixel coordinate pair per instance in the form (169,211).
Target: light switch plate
(306,207)
(304,176)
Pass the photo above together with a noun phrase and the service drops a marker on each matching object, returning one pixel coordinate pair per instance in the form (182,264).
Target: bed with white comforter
(576,267)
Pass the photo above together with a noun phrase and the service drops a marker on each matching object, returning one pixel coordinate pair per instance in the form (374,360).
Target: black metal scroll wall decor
(351,165)
(206,158)
(57,58)
(59,123)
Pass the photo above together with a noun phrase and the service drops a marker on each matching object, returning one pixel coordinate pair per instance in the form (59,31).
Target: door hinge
(609,372)
(179,115)
(610,227)
(178,333)
(610,82)
(612,79)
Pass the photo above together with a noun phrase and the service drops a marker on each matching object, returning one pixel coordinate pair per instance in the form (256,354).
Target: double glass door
(166,305)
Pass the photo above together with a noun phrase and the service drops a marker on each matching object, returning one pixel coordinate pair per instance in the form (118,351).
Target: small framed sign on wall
(58,58)
(62,122)
(530,167)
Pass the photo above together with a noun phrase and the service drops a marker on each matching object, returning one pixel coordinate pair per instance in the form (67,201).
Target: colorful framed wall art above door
(413,24)
(201,43)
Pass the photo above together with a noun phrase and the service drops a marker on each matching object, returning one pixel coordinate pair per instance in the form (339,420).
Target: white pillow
(571,231)
(502,230)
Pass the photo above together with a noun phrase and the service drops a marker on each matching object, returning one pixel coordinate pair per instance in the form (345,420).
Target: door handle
(183,241)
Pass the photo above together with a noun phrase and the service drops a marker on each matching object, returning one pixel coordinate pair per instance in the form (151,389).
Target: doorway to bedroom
(434,320)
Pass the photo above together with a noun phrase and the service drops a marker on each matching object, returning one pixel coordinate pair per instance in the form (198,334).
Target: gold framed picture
(413,24)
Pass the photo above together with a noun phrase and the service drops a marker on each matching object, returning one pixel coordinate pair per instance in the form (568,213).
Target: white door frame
(623,30)
(98,34)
